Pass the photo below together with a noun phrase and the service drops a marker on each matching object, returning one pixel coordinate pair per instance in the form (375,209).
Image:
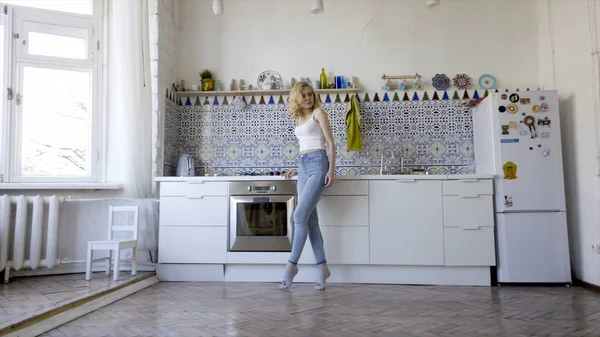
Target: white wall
(566,65)
(363,38)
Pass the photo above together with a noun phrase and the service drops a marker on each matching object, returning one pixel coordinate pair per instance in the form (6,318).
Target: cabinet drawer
(348,187)
(193,189)
(180,211)
(192,245)
(473,247)
(342,210)
(468,187)
(468,212)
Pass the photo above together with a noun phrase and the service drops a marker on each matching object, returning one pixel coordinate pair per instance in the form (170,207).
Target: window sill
(60,186)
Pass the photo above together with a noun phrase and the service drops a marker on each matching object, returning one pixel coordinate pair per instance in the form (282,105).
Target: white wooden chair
(120,219)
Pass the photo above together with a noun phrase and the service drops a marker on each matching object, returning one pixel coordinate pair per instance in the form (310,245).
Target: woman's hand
(288,174)
(329,179)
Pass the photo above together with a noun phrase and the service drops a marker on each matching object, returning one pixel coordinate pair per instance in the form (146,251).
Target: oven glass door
(261,223)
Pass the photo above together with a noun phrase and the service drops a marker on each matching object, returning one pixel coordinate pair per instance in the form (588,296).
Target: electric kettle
(185,166)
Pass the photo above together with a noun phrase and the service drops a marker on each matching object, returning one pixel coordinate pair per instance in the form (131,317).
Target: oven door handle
(260,200)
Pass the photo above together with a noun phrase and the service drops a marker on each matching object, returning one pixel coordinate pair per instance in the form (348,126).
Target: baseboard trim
(41,323)
(586,285)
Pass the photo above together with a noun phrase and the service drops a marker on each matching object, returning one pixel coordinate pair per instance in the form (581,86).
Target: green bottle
(323,79)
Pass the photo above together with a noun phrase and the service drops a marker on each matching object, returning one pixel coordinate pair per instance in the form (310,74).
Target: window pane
(45,44)
(56,119)
(43,40)
(70,6)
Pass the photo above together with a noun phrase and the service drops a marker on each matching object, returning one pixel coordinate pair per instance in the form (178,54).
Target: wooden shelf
(259,92)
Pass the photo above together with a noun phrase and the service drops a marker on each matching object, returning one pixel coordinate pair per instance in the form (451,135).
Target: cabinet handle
(406,180)
(469,228)
(195,197)
(195,181)
(469,196)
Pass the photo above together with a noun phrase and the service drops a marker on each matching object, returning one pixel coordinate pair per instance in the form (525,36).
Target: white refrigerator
(517,139)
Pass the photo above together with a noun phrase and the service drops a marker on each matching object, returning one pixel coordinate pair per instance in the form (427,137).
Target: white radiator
(35,224)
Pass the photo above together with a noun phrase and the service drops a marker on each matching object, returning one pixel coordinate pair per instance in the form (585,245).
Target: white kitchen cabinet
(193,189)
(469,223)
(346,245)
(183,211)
(192,244)
(406,222)
(348,187)
(342,210)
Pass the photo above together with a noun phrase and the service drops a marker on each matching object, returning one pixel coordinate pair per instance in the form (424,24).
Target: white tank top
(310,136)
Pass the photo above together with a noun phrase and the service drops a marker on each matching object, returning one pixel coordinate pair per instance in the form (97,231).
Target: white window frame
(16,59)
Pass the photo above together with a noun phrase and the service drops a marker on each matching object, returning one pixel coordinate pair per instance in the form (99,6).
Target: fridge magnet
(512,124)
(508,202)
(522,130)
(544,107)
(502,108)
(462,81)
(512,108)
(504,96)
(545,134)
(544,122)
(440,82)
(487,81)
(514,98)
(530,122)
(542,98)
(525,100)
(505,130)
(545,152)
(511,140)
(535,108)
(510,170)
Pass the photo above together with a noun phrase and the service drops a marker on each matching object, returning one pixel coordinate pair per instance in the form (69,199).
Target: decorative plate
(269,76)
(440,82)
(462,81)
(487,81)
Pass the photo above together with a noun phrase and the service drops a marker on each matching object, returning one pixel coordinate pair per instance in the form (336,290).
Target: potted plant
(208,82)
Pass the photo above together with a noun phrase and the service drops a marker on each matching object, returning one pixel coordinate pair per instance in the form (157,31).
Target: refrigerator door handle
(469,195)
(469,228)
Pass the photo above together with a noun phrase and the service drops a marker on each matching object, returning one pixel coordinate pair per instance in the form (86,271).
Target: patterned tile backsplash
(434,134)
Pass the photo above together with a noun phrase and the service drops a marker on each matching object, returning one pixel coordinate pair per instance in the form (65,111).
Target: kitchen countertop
(361,177)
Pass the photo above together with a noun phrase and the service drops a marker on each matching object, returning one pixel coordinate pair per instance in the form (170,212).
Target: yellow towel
(353,126)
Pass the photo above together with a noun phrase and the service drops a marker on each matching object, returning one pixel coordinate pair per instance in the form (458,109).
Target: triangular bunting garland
(188,102)
(252,101)
(357,97)
(225,102)
(367,99)
(486,94)
(455,96)
(271,100)
(376,98)
(338,99)
(216,100)
(466,95)
(396,98)
(280,100)
(405,98)
(445,97)
(435,96)
(415,97)
(206,101)
(197,101)
(347,99)
(327,99)
(262,100)
(475,95)
(425,96)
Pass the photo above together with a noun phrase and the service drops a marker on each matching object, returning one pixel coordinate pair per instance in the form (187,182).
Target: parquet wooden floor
(261,309)
(26,296)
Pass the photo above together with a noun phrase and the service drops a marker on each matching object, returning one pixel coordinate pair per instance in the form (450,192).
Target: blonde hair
(296,99)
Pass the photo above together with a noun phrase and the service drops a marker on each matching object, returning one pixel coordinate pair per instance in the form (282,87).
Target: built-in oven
(260,215)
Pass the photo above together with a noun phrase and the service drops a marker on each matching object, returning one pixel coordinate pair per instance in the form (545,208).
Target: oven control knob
(273,188)
(249,188)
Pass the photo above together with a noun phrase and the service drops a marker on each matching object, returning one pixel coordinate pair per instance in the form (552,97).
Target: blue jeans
(312,169)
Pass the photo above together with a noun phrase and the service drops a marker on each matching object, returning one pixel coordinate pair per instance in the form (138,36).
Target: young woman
(315,172)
